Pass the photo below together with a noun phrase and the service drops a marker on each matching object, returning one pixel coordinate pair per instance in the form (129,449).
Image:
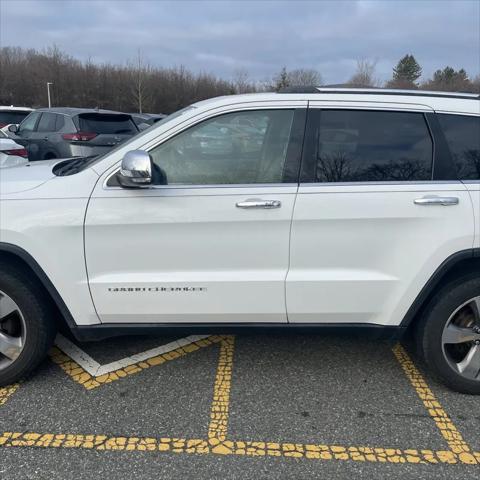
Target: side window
(372,146)
(28,125)
(59,122)
(47,123)
(235,148)
(463,137)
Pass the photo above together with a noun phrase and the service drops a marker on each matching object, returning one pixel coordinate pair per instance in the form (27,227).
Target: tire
(34,320)
(451,309)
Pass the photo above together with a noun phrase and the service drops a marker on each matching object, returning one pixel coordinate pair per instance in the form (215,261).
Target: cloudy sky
(257,36)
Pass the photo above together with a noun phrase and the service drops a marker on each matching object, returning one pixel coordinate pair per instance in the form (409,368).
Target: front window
(28,125)
(235,148)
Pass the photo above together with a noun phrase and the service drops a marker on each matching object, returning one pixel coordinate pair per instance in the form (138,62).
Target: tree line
(140,87)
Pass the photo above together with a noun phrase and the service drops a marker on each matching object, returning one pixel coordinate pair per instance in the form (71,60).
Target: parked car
(12,116)
(146,120)
(49,133)
(353,209)
(11,153)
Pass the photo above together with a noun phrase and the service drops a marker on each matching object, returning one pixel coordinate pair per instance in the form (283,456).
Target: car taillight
(79,136)
(19,152)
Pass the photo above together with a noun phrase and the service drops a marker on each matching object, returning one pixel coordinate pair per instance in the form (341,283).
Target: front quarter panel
(47,223)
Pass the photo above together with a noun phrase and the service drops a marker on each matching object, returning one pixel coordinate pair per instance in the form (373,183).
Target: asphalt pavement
(236,407)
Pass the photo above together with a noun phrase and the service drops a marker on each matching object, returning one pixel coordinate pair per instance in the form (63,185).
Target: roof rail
(378,91)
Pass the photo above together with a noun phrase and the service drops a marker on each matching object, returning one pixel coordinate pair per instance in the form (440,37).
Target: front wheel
(449,335)
(27,329)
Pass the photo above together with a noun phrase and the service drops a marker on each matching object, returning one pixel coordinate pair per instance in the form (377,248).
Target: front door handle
(255,203)
(445,201)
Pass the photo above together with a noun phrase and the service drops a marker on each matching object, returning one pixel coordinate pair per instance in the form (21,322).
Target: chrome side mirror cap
(135,170)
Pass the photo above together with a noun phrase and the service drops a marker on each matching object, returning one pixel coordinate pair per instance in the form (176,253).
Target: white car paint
(7,153)
(333,253)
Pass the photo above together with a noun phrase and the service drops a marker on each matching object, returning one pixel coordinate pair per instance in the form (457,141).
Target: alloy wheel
(12,331)
(461,340)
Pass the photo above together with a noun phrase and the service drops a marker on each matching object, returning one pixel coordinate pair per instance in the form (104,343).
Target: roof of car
(12,108)
(445,102)
(76,111)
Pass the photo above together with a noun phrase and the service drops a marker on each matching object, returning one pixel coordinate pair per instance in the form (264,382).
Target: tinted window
(47,123)
(105,123)
(29,123)
(463,138)
(59,123)
(236,148)
(7,118)
(369,146)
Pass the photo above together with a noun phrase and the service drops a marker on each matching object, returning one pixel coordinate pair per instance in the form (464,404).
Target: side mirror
(13,128)
(136,170)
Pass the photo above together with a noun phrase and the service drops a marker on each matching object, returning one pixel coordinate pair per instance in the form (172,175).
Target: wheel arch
(458,265)
(18,257)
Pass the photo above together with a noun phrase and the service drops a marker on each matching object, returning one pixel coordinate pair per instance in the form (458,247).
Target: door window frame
(293,156)
(442,163)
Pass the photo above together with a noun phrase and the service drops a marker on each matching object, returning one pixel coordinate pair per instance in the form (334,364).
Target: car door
(210,241)
(25,132)
(40,140)
(377,212)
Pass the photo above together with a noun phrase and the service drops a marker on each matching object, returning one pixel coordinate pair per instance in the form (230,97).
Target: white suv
(355,209)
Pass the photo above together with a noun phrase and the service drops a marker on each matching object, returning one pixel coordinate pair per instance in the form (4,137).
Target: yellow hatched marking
(218,427)
(251,448)
(81,376)
(448,430)
(6,392)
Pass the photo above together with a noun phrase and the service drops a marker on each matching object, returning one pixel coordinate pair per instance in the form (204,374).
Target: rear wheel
(27,329)
(449,335)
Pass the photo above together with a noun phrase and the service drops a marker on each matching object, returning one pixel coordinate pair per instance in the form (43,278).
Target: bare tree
(140,72)
(305,77)
(241,81)
(364,75)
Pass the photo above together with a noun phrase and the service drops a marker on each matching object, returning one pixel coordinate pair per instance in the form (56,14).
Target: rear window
(9,117)
(463,137)
(369,146)
(105,123)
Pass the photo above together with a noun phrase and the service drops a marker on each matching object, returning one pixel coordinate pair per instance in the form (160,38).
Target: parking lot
(249,406)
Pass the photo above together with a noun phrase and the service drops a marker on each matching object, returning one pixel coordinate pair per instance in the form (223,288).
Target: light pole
(48,94)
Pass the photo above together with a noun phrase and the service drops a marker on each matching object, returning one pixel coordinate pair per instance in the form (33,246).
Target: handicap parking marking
(90,374)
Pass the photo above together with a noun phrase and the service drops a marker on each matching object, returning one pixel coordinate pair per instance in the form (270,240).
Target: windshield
(164,121)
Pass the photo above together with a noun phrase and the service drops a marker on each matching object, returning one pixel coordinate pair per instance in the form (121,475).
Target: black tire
(38,318)
(430,330)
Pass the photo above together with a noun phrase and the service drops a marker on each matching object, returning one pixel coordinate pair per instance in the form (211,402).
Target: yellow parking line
(5,392)
(81,376)
(221,392)
(250,448)
(448,430)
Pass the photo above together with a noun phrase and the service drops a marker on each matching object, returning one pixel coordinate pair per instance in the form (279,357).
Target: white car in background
(12,116)
(11,153)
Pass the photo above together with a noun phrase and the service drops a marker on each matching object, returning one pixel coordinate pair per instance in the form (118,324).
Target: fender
(23,255)
(434,281)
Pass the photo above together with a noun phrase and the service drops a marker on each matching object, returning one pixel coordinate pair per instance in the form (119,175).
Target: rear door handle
(254,203)
(445,201)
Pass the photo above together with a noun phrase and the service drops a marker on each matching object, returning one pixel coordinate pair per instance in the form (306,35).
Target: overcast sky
(257,36)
